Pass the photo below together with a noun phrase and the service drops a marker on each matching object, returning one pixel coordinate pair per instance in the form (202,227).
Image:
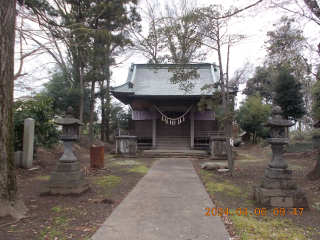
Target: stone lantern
(70,127)
(277,138)
(278,189)
(67,179)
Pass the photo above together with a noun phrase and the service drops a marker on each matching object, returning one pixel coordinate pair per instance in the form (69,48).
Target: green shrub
(45,133)
(300,146)
(297,136)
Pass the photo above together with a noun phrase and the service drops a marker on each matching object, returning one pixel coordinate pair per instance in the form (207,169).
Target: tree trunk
(315,173)
(227,122)
(10,204)
(92,100)
(108,102)
(103,111)
(225,108)
(81,103)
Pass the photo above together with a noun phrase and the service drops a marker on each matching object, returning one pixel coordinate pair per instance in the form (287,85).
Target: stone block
(284,184)
(300,193)
(282,202)
(288,193)
(126,145)
(68,184)
(270,193)
(278,173)
(66,176)
(256,194)
(68,167)
(65,188)
(18,158)
(261,199)
(265,201)
(300,202)
(28,142)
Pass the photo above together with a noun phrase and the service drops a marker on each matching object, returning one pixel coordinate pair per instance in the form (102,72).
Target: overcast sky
(257,23)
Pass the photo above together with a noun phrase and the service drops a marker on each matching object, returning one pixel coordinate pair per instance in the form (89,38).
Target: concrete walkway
(169,203)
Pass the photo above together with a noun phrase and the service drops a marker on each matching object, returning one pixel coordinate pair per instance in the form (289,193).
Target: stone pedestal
(277,160)
(68,156)
(28,142)
(218,148)
(278,189)
(126,145)
(67,179)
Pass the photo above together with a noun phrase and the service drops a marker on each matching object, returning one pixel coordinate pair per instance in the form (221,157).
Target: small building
(245,137)
(164,115)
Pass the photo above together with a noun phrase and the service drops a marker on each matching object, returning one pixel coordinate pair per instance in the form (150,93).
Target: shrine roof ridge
(154,79)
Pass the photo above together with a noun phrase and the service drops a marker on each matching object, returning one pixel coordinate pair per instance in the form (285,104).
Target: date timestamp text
(257,211)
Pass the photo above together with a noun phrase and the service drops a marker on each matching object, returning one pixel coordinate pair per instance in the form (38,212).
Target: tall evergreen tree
(108,39)
(286,47)
(288,95)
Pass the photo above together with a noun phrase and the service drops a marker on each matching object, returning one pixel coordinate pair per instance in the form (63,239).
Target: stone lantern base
(68,179)
(278,189)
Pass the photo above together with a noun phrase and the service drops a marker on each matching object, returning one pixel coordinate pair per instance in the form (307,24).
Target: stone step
(173,143)
(173,139)
(173,136)
(173,147)
(174,153)
(180,148)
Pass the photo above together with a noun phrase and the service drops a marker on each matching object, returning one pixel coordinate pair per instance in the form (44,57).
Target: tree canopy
(288,95)
(261,83)
(251,114)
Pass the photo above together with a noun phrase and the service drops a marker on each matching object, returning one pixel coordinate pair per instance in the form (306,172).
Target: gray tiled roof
(148,80)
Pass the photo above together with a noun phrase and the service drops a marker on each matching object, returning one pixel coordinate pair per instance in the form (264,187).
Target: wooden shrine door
(164,129)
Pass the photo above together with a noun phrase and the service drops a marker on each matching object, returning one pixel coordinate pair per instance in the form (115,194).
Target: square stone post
(192,128)
(212,147)
(18,158)
(154,128)
(28,142)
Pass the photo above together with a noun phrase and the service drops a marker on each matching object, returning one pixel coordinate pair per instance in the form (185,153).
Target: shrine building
(164,116)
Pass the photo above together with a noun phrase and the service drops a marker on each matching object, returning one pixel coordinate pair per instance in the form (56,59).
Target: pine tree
(288,95)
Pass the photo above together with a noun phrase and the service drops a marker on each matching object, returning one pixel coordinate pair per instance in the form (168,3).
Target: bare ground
(237,192)
(54,217)
(57,217)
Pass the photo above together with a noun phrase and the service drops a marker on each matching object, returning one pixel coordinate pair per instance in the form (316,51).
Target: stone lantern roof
(278,120)
(69,120)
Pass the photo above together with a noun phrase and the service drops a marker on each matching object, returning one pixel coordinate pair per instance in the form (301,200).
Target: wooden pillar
(154,129)
(192,128)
